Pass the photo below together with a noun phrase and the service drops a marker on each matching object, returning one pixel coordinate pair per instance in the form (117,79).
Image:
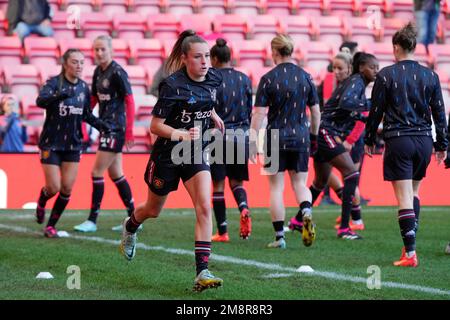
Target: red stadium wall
(21,178)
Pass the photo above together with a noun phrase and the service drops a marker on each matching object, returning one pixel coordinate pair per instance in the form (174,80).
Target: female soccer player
(407,95)
(340,113)
(66,99)
(234,107)
(181,115)
(112,90)
(287,89)
(354,144)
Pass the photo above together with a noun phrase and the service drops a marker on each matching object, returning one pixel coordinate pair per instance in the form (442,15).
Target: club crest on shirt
(81,97)
(158,183)
(213,94)
(105,83)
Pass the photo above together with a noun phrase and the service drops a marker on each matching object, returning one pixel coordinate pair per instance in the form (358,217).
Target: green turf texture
(155,274)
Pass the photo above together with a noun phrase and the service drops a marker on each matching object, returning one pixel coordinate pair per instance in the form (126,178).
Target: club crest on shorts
(45,154)
(158,183)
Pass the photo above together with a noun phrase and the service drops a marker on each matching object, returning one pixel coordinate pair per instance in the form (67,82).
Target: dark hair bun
(221,42)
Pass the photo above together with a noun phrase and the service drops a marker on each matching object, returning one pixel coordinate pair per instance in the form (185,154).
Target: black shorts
(235,167)
(329,147)
(357,151)
(56,157)
(111,142)
(163,178)
(288,160)
(407,157)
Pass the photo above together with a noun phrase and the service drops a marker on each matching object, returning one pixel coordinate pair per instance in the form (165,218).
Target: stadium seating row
(251,7)
(364,29)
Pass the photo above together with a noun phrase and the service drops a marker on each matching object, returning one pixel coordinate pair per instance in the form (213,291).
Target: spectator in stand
(29,16)
(13,135)
(427,16)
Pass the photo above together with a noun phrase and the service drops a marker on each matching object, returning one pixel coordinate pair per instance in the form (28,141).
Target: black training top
(407,95)
(67,105)
(184,102)
(344,106)
(110,86)
(286,90)
(234,99)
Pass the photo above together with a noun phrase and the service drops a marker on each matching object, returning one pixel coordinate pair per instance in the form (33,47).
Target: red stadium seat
(232,26)
(310,7)
(245,7)
(3,5)
(3,24)
(390,27)
(201,23)
(441,56)
(183,6)
(341,7)
(314,55)
(138,78)
(384,6)
(114,7)
(41,51)
(300,28)
(163,26)
(443,78)
(22,79)
(445,8)
(145,7)
(64,25)
(332,29)
(383,52)
(144,113)
(142,140)
(48,71)
(213,6)
(251,54)
(84,5)
(403,9)
(94,24)
(446,27)
(422,55)
(147,52)
(264,27)
(88,73)
(284,7)
(121,51)
(129,26)
(30,109)
(10,51)
(256,75)
(84,45)
(362,31)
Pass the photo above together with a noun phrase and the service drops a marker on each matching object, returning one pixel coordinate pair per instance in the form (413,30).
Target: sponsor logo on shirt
(187,117)
(104,97)
(191,100)
(69,110)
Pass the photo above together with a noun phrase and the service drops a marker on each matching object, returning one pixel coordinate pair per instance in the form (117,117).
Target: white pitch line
(252,263)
